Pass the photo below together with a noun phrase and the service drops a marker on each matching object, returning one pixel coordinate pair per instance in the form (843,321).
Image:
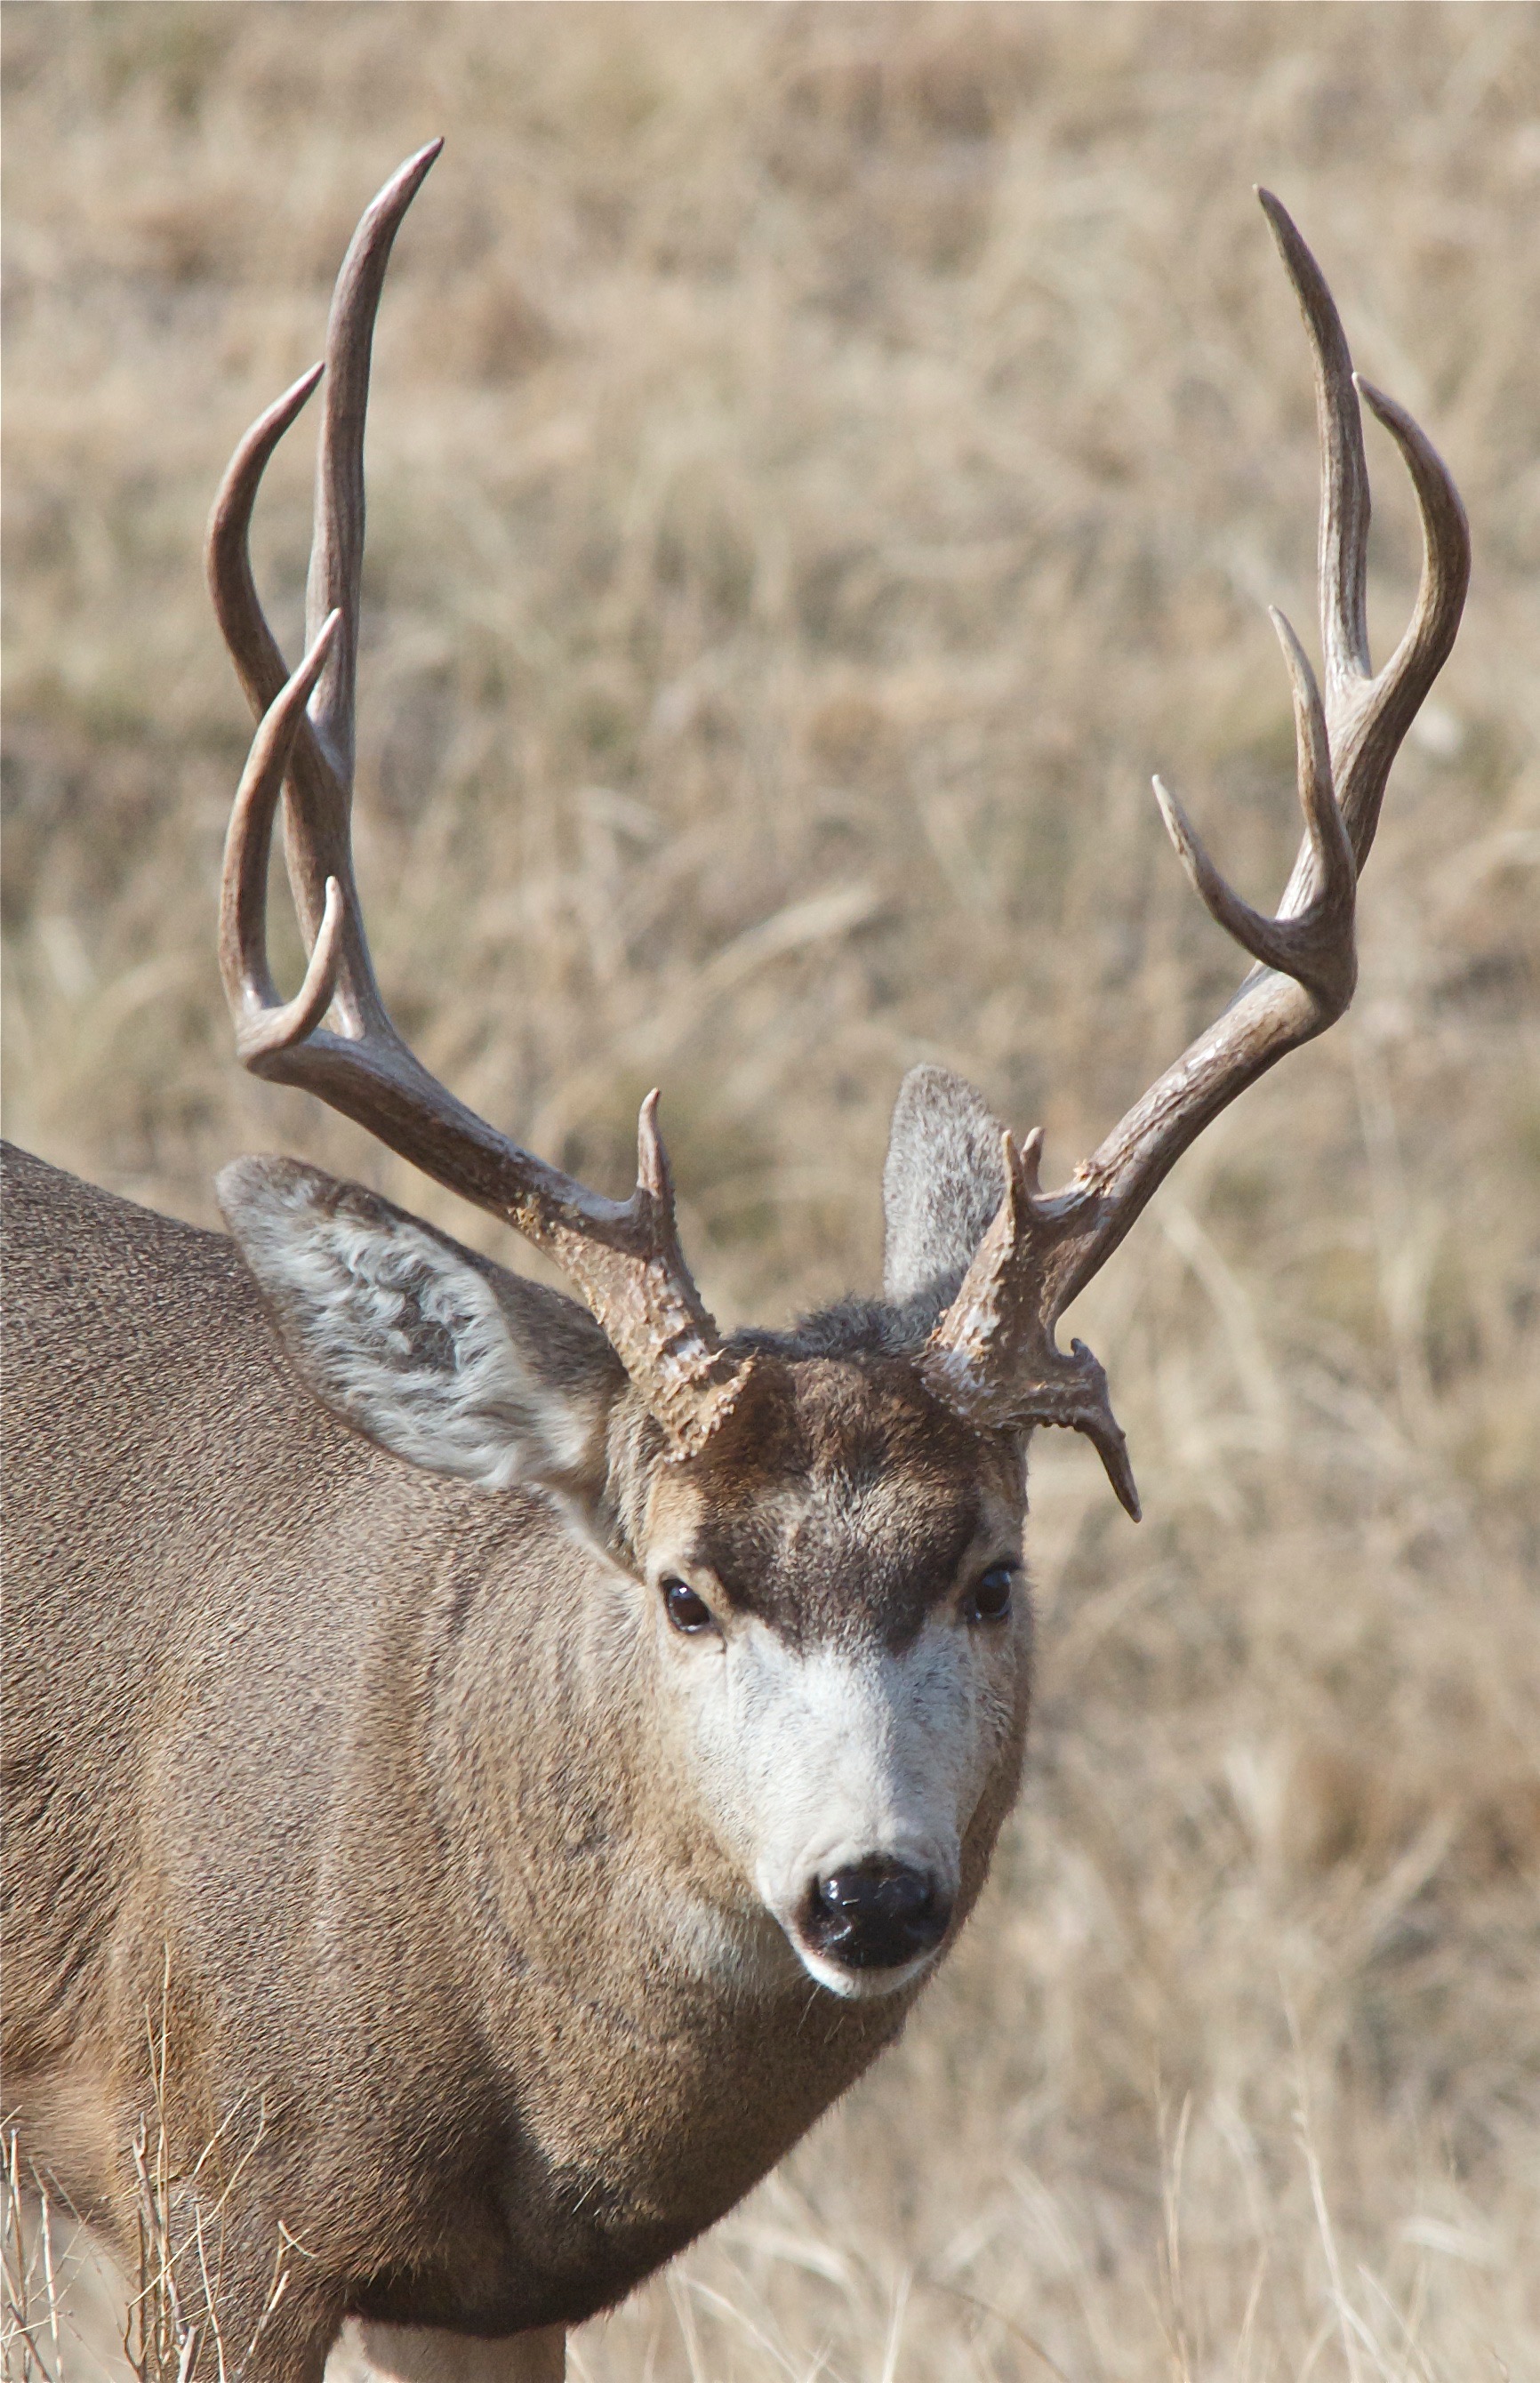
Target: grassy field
(822,460)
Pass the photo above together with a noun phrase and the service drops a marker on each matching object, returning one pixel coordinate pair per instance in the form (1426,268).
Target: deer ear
(943,1180)
(434,1352)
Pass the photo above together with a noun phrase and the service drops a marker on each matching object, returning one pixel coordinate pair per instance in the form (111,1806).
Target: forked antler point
(624,1257)
(993,1351)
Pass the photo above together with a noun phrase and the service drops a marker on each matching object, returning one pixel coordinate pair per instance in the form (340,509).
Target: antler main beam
(993,1353)
(623,1256)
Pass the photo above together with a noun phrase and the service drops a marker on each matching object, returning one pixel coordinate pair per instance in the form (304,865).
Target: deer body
(487,1768)
(375,1782)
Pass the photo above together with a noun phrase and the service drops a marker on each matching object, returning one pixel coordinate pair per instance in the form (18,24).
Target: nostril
(876,1914)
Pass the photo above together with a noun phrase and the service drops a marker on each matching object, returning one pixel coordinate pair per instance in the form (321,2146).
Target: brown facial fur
(840,1499)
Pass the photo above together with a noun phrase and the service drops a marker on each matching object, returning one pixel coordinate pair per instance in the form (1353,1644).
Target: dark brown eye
(991,1600)
(686,1611)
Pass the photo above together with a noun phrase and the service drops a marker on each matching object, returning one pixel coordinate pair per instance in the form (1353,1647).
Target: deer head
(826,1523)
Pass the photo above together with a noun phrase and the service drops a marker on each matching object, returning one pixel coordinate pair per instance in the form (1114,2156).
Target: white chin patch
(860,1985)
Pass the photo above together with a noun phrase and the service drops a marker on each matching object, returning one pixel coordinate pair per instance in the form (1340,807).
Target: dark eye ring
(685,1610)
(991,1600)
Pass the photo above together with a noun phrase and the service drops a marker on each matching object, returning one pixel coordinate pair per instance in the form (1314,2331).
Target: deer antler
(623,1256)
(993,1355)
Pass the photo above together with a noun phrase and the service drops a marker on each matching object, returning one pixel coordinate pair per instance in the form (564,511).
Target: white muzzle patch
(856,1766)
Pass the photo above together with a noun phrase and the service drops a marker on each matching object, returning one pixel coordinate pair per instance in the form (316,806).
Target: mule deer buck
(487,1769)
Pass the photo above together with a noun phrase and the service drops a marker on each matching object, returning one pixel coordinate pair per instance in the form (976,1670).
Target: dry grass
(821,461)
(67,2316)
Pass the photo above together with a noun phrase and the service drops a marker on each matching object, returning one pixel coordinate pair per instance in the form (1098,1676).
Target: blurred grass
(821,461)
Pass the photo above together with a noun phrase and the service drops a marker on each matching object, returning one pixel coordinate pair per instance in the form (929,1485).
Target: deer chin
(860,1985)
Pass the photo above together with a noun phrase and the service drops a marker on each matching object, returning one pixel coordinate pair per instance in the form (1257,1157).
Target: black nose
(876,1915)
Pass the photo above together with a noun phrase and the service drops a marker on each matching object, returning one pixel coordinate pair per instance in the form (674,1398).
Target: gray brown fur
(360,1760)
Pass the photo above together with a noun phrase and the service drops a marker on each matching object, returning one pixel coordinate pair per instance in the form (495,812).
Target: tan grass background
(821,461)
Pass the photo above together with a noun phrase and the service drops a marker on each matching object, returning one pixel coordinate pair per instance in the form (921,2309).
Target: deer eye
(685,1610)
(991,1600)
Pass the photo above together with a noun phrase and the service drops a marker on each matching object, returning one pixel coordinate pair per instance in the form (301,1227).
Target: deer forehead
(843,1508)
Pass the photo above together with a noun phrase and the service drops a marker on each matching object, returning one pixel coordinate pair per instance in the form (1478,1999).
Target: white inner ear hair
(404,1340)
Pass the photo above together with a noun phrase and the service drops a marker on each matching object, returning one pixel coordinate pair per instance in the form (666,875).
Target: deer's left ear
(943,1180)
(446,1360)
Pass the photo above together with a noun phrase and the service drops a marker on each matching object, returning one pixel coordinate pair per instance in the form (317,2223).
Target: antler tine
(336,547)
(317,842)
(1362,761)
(237,607)
(259,662)
(1344,534)
(1367,715)
(1315,946)
(993,1351)
(623,1256)
(264,1025)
